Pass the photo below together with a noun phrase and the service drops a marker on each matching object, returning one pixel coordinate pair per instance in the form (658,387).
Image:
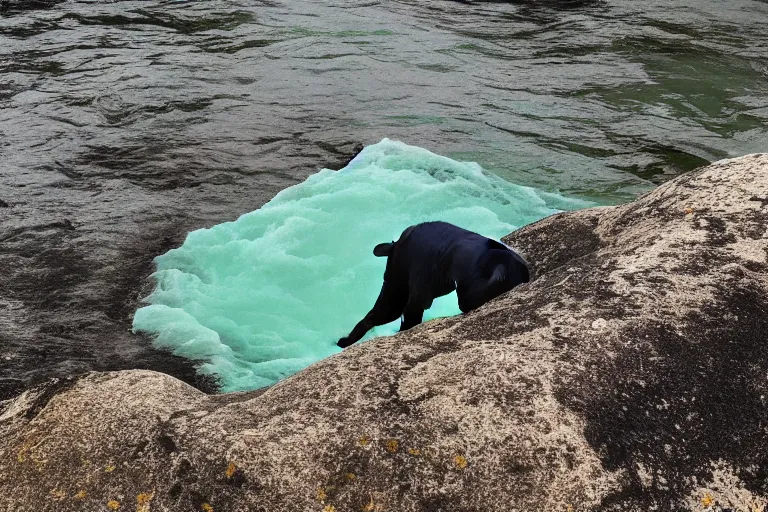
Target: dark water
(124,125)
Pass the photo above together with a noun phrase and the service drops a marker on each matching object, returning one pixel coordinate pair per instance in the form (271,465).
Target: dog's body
(431,260)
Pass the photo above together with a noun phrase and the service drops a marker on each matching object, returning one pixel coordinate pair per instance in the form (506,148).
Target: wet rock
(630,375)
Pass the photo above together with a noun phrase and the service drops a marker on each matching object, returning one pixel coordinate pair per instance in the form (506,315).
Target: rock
(521,405)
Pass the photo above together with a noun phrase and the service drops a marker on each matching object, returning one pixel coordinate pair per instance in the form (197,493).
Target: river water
(124,125)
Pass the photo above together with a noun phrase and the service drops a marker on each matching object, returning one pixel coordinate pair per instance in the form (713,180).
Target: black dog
(431,260)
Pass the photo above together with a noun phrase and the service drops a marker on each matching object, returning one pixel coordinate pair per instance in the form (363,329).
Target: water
(270,293)
(125,125)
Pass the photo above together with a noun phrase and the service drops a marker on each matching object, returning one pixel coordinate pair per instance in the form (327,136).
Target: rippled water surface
(581,99)
(124,125)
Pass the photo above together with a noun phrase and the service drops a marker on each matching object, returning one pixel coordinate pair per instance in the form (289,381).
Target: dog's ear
(383,249)
(499,274)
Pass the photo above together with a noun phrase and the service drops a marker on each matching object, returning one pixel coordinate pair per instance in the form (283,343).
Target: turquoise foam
(264,296)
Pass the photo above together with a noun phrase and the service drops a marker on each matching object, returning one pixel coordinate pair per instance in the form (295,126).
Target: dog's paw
(344,342)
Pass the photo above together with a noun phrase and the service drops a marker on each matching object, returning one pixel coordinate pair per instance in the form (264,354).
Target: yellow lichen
(569,508)
(39,463)
(145,497)
(350,476)
(109,469)
(81,495)
(230,470)
(329,508)
(364,441)
(58,494)
(707,500)
(460,461)
(414,451)
(113,504)
(206,507)
(321,495)
(371,506)
(392,445)
(689,210)
(143,501)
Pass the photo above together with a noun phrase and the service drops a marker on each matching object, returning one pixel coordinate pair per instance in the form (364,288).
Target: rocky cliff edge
(632,374)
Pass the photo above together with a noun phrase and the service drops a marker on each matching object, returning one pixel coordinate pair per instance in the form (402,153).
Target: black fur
(431,260)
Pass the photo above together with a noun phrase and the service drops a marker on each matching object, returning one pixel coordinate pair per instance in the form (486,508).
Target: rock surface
(632,374)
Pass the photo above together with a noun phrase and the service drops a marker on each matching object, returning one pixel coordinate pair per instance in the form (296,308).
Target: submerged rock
(630,375)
